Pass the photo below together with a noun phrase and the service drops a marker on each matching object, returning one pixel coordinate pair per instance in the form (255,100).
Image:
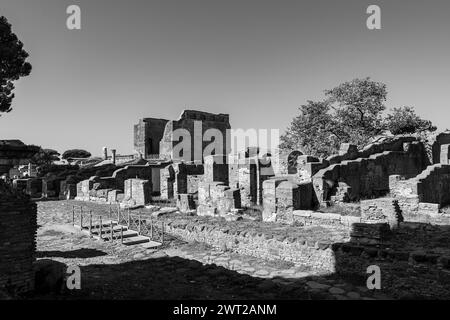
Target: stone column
(30,169)
(113,156)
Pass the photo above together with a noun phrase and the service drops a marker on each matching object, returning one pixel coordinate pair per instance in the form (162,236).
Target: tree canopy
(405,120)
(351,112)
(13,64)
(76,153)
(45,157)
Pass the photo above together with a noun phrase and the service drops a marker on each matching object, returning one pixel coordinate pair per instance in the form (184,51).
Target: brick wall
(18,227)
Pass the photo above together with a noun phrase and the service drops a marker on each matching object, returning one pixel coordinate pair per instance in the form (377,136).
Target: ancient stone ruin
(395,177)
(363,203)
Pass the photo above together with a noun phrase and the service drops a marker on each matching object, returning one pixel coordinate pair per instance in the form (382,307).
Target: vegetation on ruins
(73,173)
(45,157)
(76,153)
(405,120)
(13,64)
(352,112)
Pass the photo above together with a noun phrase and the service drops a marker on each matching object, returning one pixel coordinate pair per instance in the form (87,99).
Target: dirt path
(177,270)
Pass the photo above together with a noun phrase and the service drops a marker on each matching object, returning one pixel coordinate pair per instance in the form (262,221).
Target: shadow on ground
(176,278)
(79,253)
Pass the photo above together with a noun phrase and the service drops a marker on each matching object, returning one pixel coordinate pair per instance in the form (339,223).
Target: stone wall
(186,203)
(137,192)
(50,187)
(281,197)
(441,139)
(368,177)
(180,178)
(215,198)
(421,198)
(67,190)
(381,210)
(147,135)
(243,240)
(248,174)
(195,124)
(314,218)
(444,157)
(129,172)
(34,187)
(167,182)
(216,168)
(18,225)
(20,185)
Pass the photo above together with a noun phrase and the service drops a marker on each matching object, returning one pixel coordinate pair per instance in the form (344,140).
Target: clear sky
(257,60)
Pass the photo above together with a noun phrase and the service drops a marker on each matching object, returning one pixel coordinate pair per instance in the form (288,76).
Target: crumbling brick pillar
(215,198)
(167,182)
(445,154)
(137,192)
(185,203)
(216,169)
(18,227)
(282,197)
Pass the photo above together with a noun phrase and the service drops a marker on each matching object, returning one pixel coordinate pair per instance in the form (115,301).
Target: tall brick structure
(18,227)
(155,137)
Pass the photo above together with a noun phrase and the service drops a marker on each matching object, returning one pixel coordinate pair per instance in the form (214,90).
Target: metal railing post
(128,222)
(112,231)
(139,228)
(121,234)
(151,228)
(90,222)
(162,228)
(73,215)
(101,227)
(81,217)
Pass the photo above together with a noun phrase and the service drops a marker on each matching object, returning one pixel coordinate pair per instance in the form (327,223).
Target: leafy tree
(351,112)
(405,120)
(13,64)
(314,131)
(76,153)
(357,107)
(45,157)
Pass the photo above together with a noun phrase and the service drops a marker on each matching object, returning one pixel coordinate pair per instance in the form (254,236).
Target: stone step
(116,234)
(135,240)
(105,230)
(95,224)
(151,244)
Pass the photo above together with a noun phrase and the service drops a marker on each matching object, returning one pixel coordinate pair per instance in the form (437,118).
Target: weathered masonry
(157,138)
(18,227)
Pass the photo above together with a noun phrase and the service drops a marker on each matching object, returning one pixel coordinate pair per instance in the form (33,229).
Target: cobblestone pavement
(176,270)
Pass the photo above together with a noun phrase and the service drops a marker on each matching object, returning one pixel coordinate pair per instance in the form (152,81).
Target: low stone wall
(381,210)
(288,244)
(18,227)
(314,218)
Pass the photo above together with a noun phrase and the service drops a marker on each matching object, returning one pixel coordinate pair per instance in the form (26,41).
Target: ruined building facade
(157,138)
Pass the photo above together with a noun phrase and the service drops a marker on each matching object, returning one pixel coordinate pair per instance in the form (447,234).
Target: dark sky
(254,59)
